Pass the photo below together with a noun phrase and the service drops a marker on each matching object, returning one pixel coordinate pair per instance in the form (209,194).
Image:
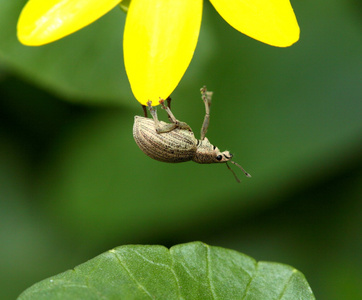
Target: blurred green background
(73,183)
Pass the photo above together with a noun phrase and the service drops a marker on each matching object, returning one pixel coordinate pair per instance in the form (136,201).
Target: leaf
(187,271)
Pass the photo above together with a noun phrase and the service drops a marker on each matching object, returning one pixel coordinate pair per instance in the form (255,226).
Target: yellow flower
(160,36)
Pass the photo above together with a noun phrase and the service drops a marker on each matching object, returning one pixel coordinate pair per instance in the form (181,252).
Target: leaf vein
(119,258)
(187,270)
(161,265)
(208,266)
(250,280)
(287,283)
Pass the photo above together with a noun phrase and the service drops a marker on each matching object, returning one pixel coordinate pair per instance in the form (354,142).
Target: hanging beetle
(175,142)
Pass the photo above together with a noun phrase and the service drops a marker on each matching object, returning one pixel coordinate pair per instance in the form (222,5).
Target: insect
(175,142)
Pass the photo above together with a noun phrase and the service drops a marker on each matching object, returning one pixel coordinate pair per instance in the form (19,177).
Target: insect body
(175,142)
(175,146)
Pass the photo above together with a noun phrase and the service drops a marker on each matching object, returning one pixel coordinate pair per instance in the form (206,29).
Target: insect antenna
(236,164)
(236,177)
(242,169)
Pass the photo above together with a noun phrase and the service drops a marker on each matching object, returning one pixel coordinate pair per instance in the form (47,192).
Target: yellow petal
(270,21)
(160,38)
(44,21)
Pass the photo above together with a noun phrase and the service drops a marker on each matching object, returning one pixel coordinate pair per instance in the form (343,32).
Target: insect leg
(206,97)
(169,106)
(172,118)
(168,102)
(145,111)
(165,127)
(168,110)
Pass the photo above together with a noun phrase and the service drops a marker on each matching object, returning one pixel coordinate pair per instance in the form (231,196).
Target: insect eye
(219,157)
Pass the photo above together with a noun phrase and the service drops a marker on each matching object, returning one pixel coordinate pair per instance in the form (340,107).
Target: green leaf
(186,271)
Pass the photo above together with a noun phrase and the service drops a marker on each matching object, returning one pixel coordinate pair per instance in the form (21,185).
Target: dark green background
(73,183)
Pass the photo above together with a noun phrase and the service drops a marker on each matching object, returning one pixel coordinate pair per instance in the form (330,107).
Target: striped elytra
(178,145)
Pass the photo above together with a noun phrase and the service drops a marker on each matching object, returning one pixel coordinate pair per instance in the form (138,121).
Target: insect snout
(223,156)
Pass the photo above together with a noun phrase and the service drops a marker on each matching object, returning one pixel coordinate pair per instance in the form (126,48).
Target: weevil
(175,142)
